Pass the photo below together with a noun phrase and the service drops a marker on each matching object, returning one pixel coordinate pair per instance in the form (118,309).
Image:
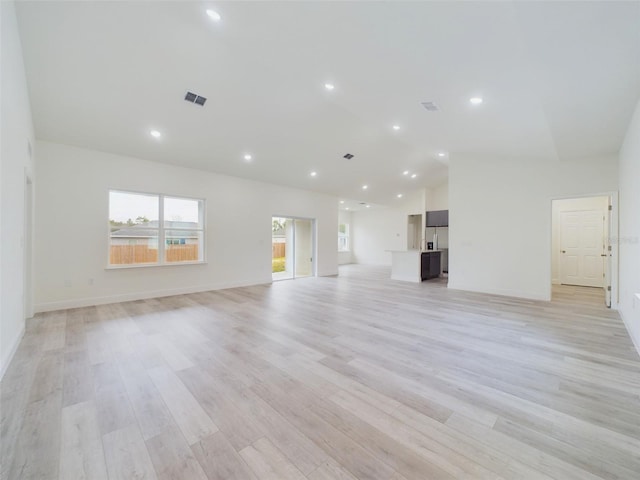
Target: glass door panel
(291,248)
(303,248)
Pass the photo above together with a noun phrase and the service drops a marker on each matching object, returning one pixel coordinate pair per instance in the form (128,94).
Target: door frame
(27,245)
(611,235)
(314,244)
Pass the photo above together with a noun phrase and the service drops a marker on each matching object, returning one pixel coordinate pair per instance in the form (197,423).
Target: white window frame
(161,231)
(346,236)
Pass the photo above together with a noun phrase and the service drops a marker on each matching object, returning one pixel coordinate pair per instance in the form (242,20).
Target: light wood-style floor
(355,377)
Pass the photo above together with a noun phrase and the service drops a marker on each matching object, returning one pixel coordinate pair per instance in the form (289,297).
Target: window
(343,237)
(147,229)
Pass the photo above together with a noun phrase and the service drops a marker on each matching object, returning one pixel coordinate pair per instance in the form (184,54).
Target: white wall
(71,228)
(569,205)
(378,230)
(629,239)
(345,257)
(439,198)
(500,219)
(16,133)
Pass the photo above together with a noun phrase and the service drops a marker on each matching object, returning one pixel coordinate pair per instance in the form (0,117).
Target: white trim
(502,292)
(627,323)
(615,251)
(6,361)
(125,266)
(28,246)
(128,297)
(334,274)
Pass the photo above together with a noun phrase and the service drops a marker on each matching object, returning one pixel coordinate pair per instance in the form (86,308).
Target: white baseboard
(332,273)
(500,291)
(635,336)
(129,297)
(12,351)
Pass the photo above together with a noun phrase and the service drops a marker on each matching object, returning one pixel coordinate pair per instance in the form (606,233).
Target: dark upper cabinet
(438,218)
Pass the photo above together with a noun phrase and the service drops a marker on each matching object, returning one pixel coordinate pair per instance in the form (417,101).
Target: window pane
(182,213)
(130,249)
(133,232)
(129,209)
(343,237)
(183,246)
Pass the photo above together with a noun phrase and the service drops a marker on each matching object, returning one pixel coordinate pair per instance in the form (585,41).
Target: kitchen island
(415,265)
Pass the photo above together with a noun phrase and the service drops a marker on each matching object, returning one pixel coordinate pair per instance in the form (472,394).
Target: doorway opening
(292,248)
(581,249)
(414,232)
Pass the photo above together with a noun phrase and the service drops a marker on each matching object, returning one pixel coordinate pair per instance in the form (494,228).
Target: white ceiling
(559,82)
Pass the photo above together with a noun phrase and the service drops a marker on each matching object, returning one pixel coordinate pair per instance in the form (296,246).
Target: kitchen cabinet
(430,264)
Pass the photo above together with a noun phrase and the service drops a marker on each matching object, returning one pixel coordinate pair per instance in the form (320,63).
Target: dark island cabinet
(430,264)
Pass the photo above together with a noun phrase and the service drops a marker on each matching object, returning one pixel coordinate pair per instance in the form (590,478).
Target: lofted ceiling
(559,82)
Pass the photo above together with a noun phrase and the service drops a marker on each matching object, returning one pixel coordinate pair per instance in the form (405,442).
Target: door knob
(563,251)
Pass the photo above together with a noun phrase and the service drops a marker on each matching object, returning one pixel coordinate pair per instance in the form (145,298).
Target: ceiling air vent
(348,156)
(430,106)
(195,98)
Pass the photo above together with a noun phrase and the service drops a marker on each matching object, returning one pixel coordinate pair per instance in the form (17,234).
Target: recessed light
(347,208)
(341,201)
(215,16)
(406,172)
(368,206)
(248,157)
(441,154)
(313,174)
(476,100)
(396,127)
(399,195)
(364,187)
(155,133)
(414,175)
(329,86)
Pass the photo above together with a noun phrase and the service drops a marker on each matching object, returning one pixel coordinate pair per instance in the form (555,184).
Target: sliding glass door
(292,247)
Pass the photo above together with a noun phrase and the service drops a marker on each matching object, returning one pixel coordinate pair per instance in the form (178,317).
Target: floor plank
(127,456)
(219,460)
(172,457)
(81,453)
(187,412)
(268,463)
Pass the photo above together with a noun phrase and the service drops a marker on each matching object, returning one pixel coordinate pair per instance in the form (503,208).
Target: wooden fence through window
(132,254)
(278,250)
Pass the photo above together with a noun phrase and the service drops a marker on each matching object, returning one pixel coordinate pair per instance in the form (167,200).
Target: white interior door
(582,248)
